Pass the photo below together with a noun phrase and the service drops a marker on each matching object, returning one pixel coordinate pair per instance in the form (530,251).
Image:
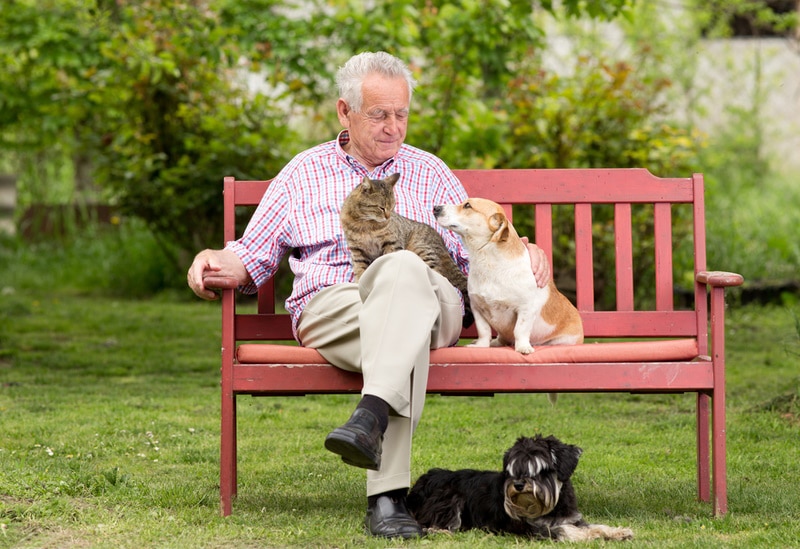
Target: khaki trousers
(384,327)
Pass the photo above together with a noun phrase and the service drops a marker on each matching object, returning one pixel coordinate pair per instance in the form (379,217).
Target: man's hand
(539,264)
(217,264)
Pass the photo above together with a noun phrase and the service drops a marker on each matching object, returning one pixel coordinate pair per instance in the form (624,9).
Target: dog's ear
(499,227)
(565,456)
(506,459)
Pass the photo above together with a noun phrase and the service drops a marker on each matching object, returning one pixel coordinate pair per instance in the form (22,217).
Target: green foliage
(125,259)
(177,117)
(152,94)
(717,17)
(604,114)
(48,48)
(464,54)
(576,8)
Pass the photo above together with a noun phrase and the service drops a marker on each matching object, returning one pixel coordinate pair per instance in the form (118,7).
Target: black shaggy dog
(532,496)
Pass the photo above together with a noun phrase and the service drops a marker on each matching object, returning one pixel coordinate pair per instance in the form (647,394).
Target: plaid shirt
(300,211)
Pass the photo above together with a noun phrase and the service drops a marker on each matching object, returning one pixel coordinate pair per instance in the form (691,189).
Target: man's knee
(402,261)
(403,273)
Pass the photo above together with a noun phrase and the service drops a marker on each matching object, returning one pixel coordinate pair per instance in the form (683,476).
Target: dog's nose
(519,486)
(437,211)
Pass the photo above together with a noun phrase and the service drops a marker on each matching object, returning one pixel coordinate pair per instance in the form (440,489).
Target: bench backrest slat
(584,257)
(544,229)
(699,234)
(580,190)
(662,226)
(623,248)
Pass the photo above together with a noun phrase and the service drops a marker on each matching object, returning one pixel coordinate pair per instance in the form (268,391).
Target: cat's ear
(366,183)
(499,226)
(392,179)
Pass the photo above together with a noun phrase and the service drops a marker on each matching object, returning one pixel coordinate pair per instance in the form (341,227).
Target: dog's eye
(467,205)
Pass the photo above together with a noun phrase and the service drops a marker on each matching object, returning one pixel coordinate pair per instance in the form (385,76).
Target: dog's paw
(433,530)
(479,343)
(524,348)
(569,532)
(622,534)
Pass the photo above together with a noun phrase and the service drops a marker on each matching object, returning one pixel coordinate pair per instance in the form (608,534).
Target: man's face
(377,132)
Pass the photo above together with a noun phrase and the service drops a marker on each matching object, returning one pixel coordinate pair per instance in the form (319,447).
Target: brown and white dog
(501,285)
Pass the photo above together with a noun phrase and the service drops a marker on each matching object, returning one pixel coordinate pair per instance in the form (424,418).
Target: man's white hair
(350,77)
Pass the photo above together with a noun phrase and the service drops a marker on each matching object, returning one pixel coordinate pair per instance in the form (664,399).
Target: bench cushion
(629,351)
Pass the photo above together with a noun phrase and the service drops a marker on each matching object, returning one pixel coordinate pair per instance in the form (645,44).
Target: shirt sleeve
(265,239)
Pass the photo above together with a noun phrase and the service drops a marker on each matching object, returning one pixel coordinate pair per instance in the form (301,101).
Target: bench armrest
(220,283)
(719,278)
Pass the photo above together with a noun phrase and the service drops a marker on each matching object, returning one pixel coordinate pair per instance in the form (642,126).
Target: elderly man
(385,325)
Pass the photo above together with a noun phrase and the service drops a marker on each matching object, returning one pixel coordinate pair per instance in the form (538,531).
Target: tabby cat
(372,229)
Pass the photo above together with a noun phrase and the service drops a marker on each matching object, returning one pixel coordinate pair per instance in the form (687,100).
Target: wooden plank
(544,230)
(570,186)
(563,186)
(249,193)
(584,262)
(612,377)
(623,324)
(596,324)
(623,243)
(276,379)
(662,226)
(699,234)
(253,327)
(488,378)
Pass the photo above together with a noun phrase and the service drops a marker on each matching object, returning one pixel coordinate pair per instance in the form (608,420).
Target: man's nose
(391,124)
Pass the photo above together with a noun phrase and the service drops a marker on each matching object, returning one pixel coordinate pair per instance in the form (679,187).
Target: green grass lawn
(109,438)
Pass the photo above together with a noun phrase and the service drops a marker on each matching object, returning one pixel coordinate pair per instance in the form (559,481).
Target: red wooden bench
(666,350)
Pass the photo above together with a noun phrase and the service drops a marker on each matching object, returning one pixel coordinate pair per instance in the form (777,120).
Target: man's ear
(342,111)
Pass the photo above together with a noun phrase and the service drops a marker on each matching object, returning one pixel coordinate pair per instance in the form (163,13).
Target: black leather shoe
(358,441)
(389,518)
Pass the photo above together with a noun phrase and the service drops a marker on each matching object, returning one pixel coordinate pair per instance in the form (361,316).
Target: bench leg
(227,461)
(719,467)
(703,457)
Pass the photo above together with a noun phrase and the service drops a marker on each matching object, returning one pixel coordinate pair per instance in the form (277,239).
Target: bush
(125,260)
(604,115)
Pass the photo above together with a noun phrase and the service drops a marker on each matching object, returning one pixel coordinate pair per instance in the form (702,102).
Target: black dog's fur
(533,496)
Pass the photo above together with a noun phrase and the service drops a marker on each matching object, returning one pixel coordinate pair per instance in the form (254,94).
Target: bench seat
(671,366)
(629,351)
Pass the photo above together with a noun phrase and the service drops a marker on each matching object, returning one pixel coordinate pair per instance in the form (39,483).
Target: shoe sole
(352,453)
(397,535)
